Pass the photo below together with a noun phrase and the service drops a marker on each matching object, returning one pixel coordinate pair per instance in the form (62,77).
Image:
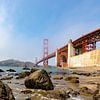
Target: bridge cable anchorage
(45,52)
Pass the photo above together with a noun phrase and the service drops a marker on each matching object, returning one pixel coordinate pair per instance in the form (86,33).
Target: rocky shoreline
(80,84)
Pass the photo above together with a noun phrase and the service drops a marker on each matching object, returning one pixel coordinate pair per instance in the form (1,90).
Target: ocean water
(17,69)
(52,69)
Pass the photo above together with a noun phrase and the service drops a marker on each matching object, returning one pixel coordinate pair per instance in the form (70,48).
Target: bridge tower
(45,52)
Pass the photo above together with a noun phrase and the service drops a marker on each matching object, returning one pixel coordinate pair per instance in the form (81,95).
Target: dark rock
(11,70)
(26,91)
(23,75)
(72,79)
(5,92)
(58,94)
(9,82)
(85,91)
(39,80)
(75,93)
(1,70)
(70,90)
(33,70)
(6,78)
(26,68)
(81,73)
(96,97)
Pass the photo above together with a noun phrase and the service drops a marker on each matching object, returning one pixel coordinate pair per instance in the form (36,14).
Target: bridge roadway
(93,36)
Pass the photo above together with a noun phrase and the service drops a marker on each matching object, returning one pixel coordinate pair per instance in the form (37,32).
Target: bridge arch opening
(63,60)
(98,45)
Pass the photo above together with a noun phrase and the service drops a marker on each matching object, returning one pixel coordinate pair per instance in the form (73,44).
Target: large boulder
(39,80)
(5,92)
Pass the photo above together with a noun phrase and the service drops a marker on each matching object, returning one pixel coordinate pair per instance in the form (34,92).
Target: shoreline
(60,84)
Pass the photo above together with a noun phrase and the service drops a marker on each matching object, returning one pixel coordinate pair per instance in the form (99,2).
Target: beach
(87,78)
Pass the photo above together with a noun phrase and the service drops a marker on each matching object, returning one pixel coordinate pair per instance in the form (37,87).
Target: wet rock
(9,82)
(85,91)
(23,75)
(26,68)
(6,78)
(57,77)
(33,70)
(75,93)
(91,82)
(72,79)
(5,92)
(70,90)
(26,91)
(39,80)
(11,70)
(58,94)
(82,73)
(1,70)
(96,97)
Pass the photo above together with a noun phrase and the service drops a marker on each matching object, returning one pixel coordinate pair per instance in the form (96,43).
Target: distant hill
(12,62)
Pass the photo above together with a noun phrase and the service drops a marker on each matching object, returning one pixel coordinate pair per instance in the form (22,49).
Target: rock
(6,78)
(81,73)
(75,93)
(85,91)
(72,79)
(23,75)
(1,70)
(26,68)
(33,70)
(26,91)
(5,92)
(9,82)
(57,77)
(70,90)
(11,70)
(58,94)
(96,97)
(39,80)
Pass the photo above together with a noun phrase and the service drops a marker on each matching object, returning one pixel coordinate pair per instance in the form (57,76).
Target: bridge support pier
(84,44)
(57,58)
(71,52)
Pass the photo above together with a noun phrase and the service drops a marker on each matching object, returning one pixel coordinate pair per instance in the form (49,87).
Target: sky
(25,23)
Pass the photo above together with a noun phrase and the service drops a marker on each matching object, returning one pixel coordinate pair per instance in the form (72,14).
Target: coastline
(60,84)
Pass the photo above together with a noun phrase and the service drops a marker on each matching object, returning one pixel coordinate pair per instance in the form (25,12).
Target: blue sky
(25,23)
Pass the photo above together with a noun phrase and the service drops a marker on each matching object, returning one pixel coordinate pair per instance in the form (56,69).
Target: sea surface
(52,69)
